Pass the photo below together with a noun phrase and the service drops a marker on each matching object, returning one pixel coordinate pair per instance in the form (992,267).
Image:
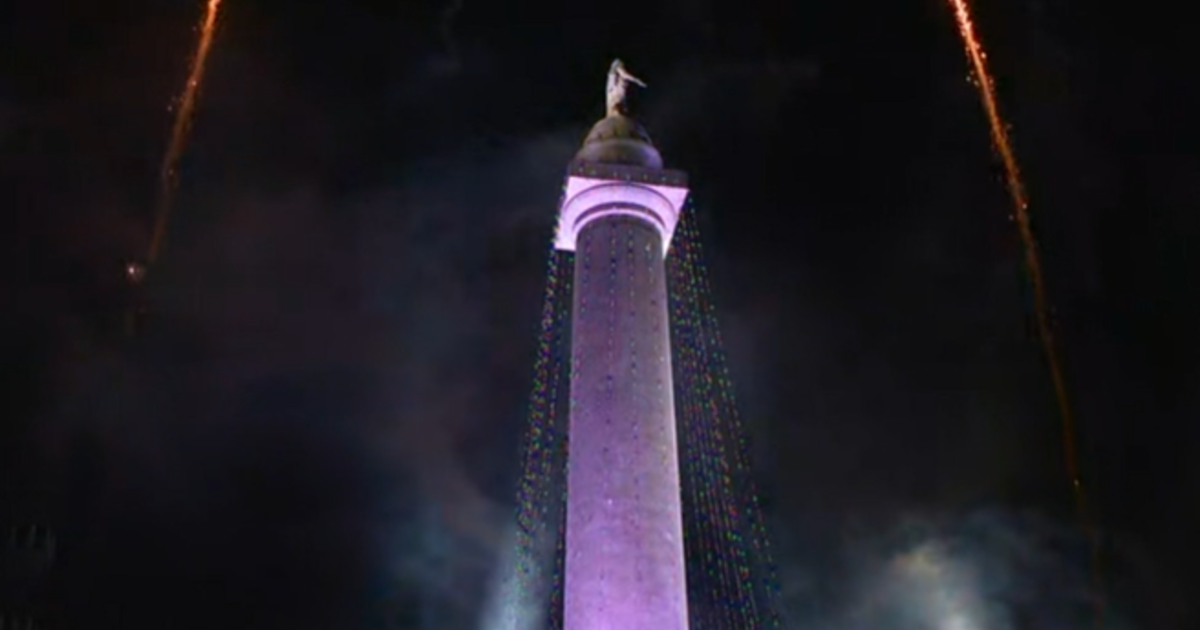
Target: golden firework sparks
(1020,203)
(185,110)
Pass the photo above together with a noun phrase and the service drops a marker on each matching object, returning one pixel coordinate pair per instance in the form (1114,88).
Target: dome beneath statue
(619,140)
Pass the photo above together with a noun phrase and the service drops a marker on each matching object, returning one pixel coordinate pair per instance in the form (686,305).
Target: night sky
(318,424)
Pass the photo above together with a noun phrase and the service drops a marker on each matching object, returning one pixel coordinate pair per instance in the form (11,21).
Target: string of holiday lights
(738,594)
(736,448)
(696,541)
(558,463)
(707,425)
(696,382)
(535,452)
(543,438)
(720,520)
(701,481)
(733,589)
(555,616)
(733,468)
(723,520)
(731,598)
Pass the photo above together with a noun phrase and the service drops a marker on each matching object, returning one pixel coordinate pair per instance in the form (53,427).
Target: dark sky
(321,416)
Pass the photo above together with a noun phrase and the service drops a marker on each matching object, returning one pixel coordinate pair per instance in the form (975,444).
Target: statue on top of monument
(618,79)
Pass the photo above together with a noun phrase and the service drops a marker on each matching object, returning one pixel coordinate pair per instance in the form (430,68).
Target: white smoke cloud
(519,597)
(981,571)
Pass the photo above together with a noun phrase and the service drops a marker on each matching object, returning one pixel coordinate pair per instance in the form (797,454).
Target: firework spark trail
(1020,201)
(185,109)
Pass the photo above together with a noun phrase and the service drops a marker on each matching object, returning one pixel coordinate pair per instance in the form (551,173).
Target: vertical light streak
(184,112)
(1020,203)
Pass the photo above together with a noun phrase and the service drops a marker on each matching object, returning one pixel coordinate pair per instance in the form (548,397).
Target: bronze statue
(618,80)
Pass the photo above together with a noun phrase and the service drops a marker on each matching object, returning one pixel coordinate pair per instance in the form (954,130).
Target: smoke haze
(320,424)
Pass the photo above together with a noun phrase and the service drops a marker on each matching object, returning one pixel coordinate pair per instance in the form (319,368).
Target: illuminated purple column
(624,536)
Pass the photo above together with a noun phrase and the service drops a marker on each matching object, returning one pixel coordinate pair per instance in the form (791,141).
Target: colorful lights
(730,569)
(731,582)
(540,491)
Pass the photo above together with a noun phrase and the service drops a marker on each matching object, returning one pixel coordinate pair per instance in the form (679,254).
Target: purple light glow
(624,533)
(655,196)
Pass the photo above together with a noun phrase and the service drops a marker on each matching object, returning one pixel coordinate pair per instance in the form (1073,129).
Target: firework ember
(185,109)
(1020,202)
